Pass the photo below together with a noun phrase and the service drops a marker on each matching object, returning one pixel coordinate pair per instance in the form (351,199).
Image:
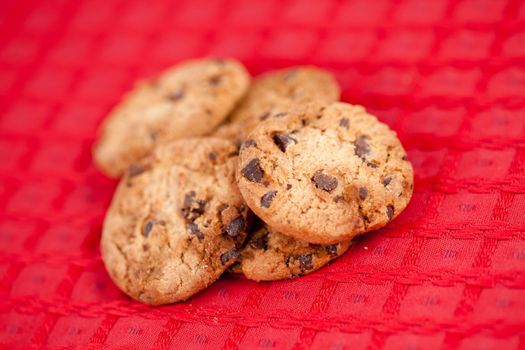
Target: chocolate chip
(145,247)
(192,208)
(236,226)
(344,123)
(194,228)
(324,182)
(371,165)
(387,181)
(362,148)
(264,116)
(222,207)
(215,80)
(331,249)
(305,261)
(390,211)
(253,171)
(281,114)
(267,198)
(266,183)
(175,96)
(248,143)
(363,193)
(338,198)
(288,186)
(135,169)
(282,141)
(148,227)
(404,157)
(259,242)
(212,156)
(229,255)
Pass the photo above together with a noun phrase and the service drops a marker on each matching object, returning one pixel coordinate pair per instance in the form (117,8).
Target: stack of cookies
(271,179)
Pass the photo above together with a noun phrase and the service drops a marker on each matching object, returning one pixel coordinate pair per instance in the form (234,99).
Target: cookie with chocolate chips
(325,174)
(176,221)
(269,255)
(273,93)
(189,99)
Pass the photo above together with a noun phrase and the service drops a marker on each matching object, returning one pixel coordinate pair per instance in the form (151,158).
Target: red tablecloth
(448,76)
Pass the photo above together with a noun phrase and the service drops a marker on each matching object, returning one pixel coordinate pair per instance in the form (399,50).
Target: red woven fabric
(448,76)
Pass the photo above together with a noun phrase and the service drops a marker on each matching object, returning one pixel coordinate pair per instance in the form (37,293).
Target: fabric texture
(448,76)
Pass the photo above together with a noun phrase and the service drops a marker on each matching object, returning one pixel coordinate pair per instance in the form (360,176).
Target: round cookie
(189,99)
(274,93)
(325,174)
(176,221)
(269,255)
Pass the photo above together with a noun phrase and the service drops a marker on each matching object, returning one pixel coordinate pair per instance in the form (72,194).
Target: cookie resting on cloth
(189,99)
(325,174)
(176,221)
(274,93)
(269,255)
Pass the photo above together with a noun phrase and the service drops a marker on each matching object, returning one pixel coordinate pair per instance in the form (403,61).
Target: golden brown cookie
(189,99)
(326,174)
(269,255)
(276,92)
(176,221)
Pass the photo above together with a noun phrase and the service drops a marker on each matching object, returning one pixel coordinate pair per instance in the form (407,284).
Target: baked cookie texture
(189,99)
(176,222)
(269,255)
(276,92)
(324,174)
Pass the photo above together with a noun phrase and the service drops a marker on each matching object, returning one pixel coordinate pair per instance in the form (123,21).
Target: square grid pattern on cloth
(448,76)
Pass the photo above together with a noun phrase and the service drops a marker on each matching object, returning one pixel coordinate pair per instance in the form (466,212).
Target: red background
(448,76)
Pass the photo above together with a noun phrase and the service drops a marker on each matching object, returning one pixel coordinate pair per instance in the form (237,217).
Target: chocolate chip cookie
(269,255)
(325,174)
(176,221)
(187,100)
(276,92)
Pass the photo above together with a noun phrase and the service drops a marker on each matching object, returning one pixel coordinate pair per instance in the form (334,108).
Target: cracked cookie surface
(269,255)
(325,174)
(176,221)
(276,92)
(189,99)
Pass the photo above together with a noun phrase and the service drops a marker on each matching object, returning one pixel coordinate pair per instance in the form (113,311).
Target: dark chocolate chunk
(259,242)
(387,181)
(363,193)
(282,141)
(267,198)
(324,182)
(362,149)
(229,255)
(305,261)
(331,249)
(148,227)
(236,226)
(194,228)
(212,156)
(135,169)
(192,208)
(175,96)
(344,123)
(253,171)
(288,186)
(248,143)
(390,211)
